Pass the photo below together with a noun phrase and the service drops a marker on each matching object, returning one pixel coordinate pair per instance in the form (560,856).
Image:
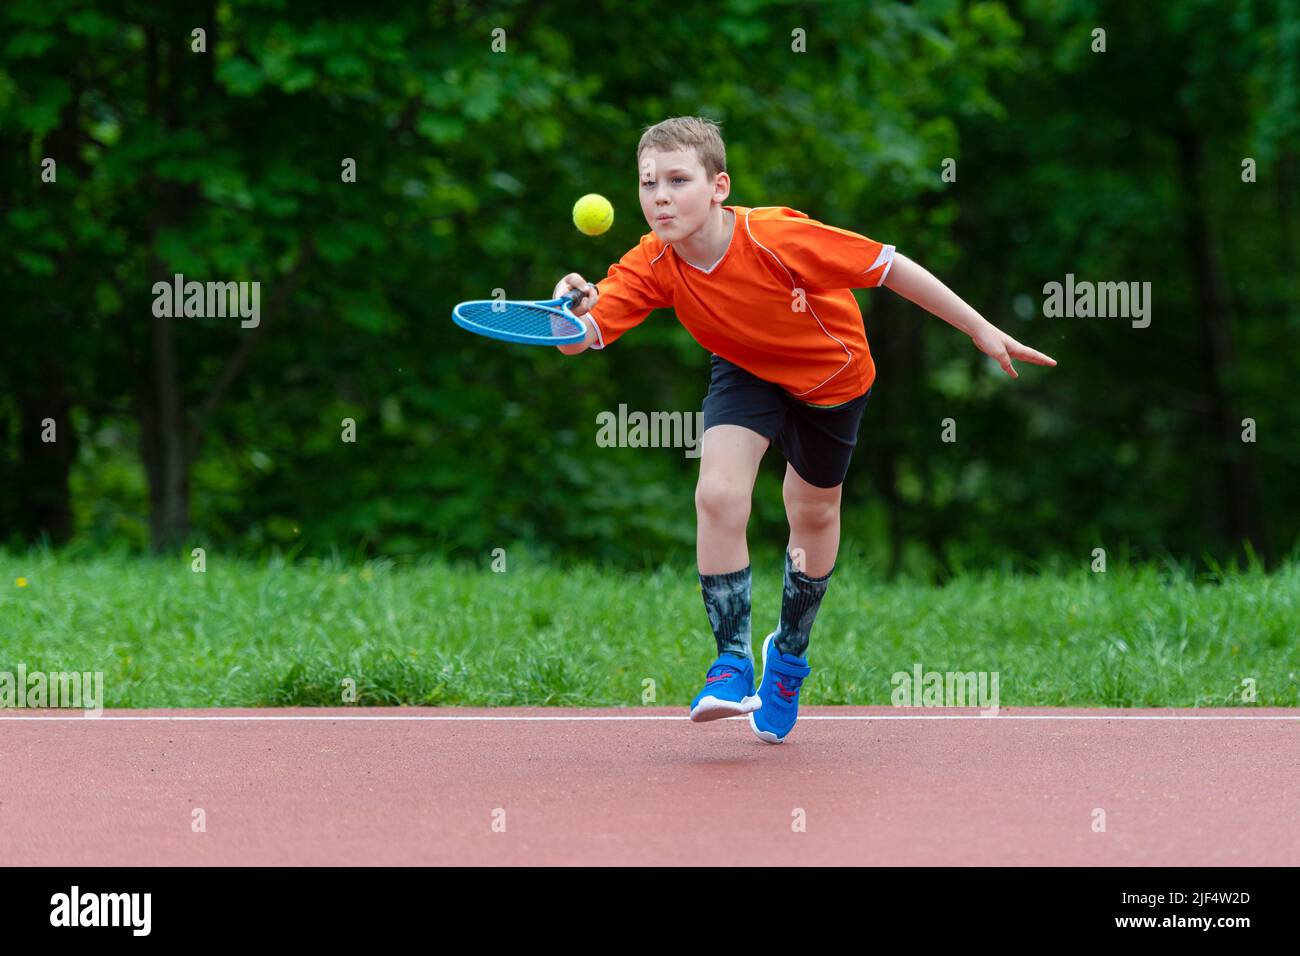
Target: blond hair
(688,132)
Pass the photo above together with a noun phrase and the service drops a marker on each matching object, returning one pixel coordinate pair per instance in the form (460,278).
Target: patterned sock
(800,599)
(726,598)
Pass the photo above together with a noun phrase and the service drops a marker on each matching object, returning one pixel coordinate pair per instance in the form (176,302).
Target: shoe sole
(765,735)
(714,708)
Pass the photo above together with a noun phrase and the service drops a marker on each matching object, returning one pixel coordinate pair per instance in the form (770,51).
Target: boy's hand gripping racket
(547,322)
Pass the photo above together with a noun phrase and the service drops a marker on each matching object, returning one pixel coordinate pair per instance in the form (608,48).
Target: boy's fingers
(1038,358)
(588,300)
(1031,355)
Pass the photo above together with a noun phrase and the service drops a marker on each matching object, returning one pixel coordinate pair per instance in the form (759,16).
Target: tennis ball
(593,214)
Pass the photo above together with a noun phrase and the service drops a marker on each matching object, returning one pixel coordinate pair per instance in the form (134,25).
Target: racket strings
(520,319)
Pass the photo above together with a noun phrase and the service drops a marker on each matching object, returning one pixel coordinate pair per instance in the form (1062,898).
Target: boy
(766,290)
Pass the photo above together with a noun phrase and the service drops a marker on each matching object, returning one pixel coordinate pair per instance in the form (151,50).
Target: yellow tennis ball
(593,214)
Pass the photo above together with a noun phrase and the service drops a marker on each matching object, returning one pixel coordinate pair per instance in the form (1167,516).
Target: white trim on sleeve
(600,337)
(887,257)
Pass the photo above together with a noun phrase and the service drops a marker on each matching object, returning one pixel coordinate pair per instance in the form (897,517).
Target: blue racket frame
(561,306)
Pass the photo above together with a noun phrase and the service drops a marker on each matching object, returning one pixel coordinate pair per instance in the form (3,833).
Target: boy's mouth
(662,219)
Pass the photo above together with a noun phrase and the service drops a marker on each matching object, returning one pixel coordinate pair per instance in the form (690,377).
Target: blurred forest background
(226,165)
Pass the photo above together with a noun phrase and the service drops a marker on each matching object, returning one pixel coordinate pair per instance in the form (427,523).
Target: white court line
(422,717)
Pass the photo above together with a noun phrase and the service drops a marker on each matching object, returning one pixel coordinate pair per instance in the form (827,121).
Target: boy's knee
(721,499)
(812,512)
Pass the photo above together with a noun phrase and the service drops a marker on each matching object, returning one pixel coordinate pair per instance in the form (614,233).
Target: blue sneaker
(779,694)
(728,690)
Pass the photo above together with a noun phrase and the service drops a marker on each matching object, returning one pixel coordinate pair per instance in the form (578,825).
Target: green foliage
(543,633)
(227,165)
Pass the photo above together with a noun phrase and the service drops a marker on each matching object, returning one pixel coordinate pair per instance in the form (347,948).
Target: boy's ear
(722,187)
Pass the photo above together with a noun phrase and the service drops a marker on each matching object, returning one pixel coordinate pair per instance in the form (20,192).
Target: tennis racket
(546,322)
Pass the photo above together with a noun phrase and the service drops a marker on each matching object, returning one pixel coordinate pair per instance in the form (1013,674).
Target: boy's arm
(628,293)
(576,347)
(915,284)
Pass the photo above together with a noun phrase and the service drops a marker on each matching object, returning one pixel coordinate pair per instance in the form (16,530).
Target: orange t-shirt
(777,303)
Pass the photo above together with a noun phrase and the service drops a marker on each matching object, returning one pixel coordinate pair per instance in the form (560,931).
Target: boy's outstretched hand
(914,283)
(1002,348)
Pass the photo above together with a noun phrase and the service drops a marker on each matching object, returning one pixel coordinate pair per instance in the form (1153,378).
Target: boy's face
(676,193)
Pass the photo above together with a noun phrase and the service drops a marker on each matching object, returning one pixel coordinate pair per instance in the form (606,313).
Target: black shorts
(817,442)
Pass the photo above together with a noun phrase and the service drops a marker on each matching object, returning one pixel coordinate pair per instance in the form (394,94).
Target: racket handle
(575,295)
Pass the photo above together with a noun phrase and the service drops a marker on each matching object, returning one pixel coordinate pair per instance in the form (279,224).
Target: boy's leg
(818,443)
(729,459)
(814,515)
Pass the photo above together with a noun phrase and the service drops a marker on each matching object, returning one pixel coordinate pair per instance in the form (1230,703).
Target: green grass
(276,633)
